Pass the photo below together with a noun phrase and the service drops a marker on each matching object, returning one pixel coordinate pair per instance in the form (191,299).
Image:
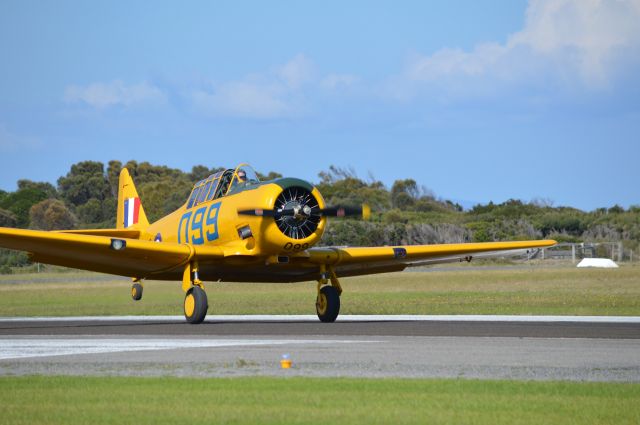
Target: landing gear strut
(328,300)
(195,300)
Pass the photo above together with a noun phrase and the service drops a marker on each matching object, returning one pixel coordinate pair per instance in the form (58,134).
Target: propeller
(297,212)
(306,211)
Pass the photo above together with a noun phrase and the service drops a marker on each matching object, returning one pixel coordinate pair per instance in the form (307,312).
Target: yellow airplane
(233,227)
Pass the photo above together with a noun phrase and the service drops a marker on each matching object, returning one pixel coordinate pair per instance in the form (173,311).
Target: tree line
(405,213)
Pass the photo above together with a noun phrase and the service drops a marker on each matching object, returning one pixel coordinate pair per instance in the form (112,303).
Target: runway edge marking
(342,318)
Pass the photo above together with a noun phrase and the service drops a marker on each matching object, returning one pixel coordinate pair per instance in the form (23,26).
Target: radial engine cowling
(303,223)
(292,219)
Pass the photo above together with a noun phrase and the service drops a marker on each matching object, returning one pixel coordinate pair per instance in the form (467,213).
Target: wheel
(195,305)
(328,304)
(136,291)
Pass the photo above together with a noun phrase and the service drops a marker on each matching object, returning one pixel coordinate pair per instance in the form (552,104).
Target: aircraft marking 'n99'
(199,224)
(234,227)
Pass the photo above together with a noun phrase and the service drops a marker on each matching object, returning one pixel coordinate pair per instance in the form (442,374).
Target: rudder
(130,215)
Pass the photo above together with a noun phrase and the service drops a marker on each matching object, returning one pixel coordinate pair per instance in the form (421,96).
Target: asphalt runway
(498,347)
(311,326)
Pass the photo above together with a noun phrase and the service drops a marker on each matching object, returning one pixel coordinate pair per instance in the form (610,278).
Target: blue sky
(477,101)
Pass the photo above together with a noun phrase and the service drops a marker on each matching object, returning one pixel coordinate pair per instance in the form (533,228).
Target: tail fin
(130,212)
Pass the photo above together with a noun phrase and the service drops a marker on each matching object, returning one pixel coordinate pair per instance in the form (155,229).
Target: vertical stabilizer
(130,212)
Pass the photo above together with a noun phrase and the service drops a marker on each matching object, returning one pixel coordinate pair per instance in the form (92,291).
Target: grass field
(534,290)
(287,400)
(87,400)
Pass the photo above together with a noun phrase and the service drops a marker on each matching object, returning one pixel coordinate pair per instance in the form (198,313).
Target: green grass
(562,291)
(119,400)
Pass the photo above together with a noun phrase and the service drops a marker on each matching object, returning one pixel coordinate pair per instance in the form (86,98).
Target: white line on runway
(19,348)
(342,318)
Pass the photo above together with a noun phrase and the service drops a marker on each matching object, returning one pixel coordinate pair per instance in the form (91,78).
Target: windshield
(244,176)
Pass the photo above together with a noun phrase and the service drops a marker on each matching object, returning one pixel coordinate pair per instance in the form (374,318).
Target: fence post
(620,252)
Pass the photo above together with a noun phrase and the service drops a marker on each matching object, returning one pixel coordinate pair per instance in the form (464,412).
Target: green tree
(113,176)
(86,180)
(20,202)
(145,172)
(403,201)
(199,172)
(47,188)
(616,209)
(10,258)
(51,214)
(404,193)
(95,212)
(163,196)
(271,176)
(395,216)
(341,186)
(7,218)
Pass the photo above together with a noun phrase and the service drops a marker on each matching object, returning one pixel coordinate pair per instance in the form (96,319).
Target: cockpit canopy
(223,183)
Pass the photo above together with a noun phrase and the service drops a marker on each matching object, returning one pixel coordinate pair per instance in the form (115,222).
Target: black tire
(195,305)
(328,304)
(136,291)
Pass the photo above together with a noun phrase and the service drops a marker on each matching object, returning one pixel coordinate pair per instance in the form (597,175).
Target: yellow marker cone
(285,362)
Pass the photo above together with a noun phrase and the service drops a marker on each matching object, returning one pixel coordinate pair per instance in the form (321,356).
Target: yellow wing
(368,260)
(90,252)
(114,233)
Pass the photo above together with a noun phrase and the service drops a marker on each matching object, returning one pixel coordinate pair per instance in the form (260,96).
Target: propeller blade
(259,212)
(363,211)
(268,213)
(338,211)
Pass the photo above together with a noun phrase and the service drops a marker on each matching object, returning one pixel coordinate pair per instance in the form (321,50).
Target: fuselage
(216,222)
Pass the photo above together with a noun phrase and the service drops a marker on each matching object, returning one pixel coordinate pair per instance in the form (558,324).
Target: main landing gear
(195,305)
(328,300)
(136,291)
(195,300)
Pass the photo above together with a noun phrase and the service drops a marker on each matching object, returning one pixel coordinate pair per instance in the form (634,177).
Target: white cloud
(115,93)
(297,71)
(248,99)
(574,40)
(278,93)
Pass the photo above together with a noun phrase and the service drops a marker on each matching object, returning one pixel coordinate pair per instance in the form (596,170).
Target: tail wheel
(195,305)
(136,291)
(328,304)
